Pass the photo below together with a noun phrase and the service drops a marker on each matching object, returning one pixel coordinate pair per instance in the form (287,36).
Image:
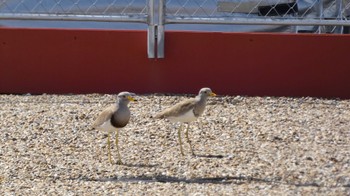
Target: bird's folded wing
(104,116)
(178,109)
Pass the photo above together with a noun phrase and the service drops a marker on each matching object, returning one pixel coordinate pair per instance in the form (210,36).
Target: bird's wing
(177,109)
(104,116)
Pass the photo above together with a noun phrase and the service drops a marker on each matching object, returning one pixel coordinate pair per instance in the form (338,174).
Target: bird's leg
(109,147)
(188,140)
(179,135)
(119,162)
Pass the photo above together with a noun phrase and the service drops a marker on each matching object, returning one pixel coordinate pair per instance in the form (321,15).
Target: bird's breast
(120,119)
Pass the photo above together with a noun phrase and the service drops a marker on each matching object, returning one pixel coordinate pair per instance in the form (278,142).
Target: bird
(187,111)
(115,117)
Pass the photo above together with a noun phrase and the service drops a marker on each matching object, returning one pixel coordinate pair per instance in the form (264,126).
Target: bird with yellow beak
(113,118)
(187,111)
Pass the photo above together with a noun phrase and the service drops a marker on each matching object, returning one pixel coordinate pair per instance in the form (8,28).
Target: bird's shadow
(209,156)
(140,165)
(200,180)
(218,156)
(171,179)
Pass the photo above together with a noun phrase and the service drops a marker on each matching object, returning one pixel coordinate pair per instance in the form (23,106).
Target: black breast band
(117,124)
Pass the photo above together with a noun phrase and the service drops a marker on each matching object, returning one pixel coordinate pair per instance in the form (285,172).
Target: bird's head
(126,97)
(206,92)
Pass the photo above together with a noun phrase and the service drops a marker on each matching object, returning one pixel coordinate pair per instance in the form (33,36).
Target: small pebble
(243,145)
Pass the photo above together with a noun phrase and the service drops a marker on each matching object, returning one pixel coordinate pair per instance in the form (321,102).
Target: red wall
(109,61)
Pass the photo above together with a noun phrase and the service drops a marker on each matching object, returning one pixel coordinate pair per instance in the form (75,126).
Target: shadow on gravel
(170,179)
(223,156)
(210,156)
(215,180)
(140,165)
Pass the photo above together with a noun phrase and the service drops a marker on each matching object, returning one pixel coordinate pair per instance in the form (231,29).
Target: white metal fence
(315,16)
(312,16)
(130,11)
(257,12)
(92,10)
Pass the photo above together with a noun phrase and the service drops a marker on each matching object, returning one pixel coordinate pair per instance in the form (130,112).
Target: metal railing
(315,16)
(130,11)
(256,12)
(77,10)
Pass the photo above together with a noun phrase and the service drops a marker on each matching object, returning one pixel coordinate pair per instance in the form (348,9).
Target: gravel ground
(244,145)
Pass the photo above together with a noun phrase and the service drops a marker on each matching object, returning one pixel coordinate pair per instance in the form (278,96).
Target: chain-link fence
(257,12)
(130,11)
(297,16)
(91,10)
(312,16)
(246,12)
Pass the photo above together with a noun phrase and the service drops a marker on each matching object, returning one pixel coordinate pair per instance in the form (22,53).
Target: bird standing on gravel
(187,111)
(113,118)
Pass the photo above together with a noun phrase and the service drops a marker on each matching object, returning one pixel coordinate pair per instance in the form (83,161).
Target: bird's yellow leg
(109,147)
(179,135)
(188,140)
(119,162)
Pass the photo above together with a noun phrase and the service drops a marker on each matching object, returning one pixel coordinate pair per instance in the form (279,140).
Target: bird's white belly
(187,117)
(106,126)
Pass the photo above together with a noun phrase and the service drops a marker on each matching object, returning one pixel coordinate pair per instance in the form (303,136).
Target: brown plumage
(178,109)
(118,117)
(187,111)
(114,117)
(105,115)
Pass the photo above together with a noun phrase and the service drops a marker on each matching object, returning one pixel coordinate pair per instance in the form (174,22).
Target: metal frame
(134,18)
(151,31)
(161,29)
(75,17)
(291,21)
(155,31)
(256,21)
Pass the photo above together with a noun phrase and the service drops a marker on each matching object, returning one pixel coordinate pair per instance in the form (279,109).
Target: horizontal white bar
(74,17)
(256,21)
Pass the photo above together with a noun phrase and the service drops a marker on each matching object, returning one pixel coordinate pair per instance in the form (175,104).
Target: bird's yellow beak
(131,98)
(212,94)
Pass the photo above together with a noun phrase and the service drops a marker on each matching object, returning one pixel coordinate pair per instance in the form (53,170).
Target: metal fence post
(339,8)
(320,14)
(150,30)
(160,29)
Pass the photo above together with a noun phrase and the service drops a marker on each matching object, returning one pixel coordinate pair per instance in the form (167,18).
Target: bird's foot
(119,162)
